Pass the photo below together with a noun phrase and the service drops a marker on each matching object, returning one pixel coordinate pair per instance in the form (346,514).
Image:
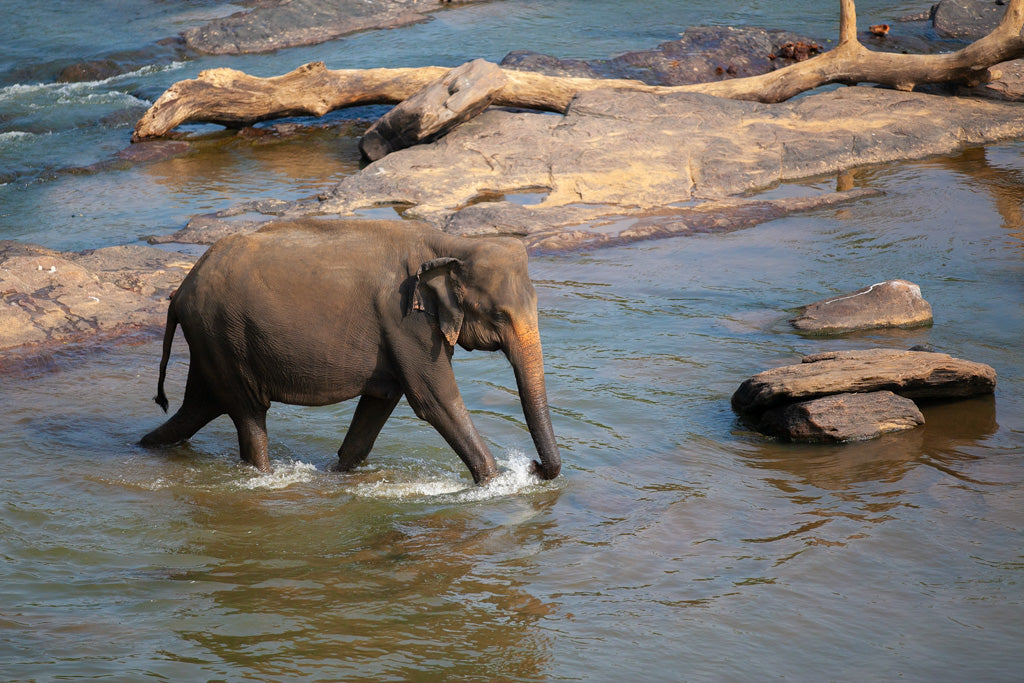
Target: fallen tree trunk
(234,99)
(433,111)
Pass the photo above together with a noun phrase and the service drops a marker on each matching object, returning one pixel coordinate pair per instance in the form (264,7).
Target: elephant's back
(284,302)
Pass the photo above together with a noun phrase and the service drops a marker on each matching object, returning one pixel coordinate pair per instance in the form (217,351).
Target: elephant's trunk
(524,352)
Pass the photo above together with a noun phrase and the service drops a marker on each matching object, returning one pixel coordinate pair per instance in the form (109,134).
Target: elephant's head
(485,300)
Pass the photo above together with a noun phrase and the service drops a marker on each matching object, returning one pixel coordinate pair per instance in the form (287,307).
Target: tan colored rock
(913,374)
(842,417)
(893,303)
(50,296)
(628,153)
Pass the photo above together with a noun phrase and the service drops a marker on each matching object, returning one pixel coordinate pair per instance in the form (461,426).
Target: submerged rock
(842,417)
(893,303)
(274,25)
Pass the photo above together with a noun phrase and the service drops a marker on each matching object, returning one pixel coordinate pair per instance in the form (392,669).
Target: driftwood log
(458,96)
(234,99)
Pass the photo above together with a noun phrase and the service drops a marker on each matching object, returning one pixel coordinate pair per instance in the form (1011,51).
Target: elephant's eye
(501,317)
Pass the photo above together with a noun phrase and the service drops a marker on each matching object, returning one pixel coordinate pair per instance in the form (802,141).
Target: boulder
(842,417)
(966,18)
(701,54)
(893,303)
(912,374)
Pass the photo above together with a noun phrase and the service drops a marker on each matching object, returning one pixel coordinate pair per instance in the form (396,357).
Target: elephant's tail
(172,325)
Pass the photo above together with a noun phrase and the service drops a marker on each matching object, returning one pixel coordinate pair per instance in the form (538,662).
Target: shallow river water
(677,545)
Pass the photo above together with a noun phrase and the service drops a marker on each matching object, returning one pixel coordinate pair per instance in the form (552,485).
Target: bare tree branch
(234,99)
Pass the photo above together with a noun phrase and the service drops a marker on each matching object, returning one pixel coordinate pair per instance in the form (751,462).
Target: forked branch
(235,99)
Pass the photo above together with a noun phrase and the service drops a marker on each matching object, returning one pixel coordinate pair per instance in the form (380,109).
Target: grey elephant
(314,311)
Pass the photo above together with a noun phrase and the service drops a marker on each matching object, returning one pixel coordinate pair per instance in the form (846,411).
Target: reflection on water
(887,458)
(1005,184)
(432,571)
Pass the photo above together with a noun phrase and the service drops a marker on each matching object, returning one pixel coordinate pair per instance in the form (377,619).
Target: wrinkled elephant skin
(313,312)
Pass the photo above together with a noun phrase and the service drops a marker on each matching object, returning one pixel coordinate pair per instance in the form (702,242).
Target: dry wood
(460,95)
(234,99)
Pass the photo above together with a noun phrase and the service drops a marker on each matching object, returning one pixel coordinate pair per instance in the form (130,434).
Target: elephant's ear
(438,292)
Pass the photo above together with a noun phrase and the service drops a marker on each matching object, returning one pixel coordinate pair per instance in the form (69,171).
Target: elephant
(316,311)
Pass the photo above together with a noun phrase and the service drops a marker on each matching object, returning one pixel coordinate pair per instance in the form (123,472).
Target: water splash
(282,476)
(515,478)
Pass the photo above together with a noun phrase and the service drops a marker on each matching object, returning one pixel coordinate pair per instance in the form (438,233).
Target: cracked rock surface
(46,295)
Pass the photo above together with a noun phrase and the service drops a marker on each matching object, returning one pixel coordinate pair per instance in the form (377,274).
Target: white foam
(282,476)
(12,137)
(514,478)
(66,90)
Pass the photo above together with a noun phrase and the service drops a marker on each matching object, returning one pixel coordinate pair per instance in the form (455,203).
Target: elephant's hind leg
(252,438)
(198,409)
(368,420)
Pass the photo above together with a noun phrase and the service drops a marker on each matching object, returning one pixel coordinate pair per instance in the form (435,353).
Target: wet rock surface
(702,54)
(276,25)
(893,303)
(966,18)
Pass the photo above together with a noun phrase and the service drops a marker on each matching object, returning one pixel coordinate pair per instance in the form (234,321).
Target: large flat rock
(50,296)
(912,374)
(621,153)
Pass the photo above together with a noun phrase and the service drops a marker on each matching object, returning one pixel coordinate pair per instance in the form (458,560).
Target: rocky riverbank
(616,167)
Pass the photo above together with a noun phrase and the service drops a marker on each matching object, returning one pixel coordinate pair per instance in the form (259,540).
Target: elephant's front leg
(434,396)
(371,414)
(252,437)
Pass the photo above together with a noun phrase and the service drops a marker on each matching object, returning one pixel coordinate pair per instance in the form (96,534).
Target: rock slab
(617,152)
(893,303)
(50,296)
(912,374)
(842,417)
